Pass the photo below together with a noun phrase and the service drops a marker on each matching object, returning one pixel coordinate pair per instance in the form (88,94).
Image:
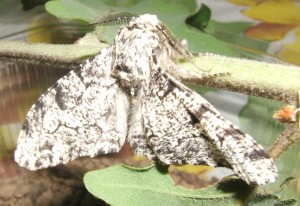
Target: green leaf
(118,185)
(233,33)
(172,13)
(270,200)
(121,3)
(233,28)
(30,4)
(229,32)
(122,186)
(201,18)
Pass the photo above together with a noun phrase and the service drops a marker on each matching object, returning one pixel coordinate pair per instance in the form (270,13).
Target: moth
(131,91)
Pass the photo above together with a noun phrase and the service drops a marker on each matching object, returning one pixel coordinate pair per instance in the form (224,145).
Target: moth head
(143,37)
(170,47)
(148,19)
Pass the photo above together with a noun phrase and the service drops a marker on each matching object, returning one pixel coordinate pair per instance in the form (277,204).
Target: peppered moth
(131,91)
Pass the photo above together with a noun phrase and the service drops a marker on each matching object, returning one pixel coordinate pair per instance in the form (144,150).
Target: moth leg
(205,76)
(183,74)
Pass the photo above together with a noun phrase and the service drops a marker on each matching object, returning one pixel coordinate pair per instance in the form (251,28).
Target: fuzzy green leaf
(118,185)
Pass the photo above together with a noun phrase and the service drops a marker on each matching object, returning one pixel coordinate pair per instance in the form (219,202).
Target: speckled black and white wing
(181,127)
(83,114)
(245,156)
(186,129)
(171,132)
(170,122)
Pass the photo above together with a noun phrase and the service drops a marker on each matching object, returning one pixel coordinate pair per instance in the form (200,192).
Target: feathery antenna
(177,45)
(115,18)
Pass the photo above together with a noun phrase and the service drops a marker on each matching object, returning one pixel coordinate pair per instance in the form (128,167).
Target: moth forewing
(246,157)
(216,135)
(83,114)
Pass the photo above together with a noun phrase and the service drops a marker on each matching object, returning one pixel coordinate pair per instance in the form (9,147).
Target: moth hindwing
(129,92)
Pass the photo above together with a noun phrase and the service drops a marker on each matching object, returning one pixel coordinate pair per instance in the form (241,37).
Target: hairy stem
(289,137)
(273,81)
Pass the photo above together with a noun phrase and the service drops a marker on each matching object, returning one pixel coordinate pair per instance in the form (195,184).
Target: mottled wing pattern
(245,156)
(86,112)
(170,122)
(136,135)
(83,114)
(171,131)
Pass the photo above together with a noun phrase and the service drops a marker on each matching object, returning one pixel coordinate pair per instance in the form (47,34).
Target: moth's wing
(83,114)
(247,158)
(169,132)
(136,135)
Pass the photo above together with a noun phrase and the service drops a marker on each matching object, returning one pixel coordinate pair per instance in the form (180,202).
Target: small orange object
(287,114)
